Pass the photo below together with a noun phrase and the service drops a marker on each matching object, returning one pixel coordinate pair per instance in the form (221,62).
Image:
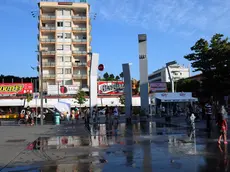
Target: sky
(172,27)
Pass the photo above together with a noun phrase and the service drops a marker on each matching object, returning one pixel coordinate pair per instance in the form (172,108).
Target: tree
(117,78)
(122,99)
(106,76)
(111,77)
(80,97)
(212,59)
(29,97)
(187,85)
(121,75)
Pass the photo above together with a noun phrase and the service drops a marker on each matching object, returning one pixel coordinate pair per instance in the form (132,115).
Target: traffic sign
(35,95)
(101,67)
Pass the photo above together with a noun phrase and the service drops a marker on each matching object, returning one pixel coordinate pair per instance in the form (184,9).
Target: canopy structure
(63,107)
(175,97)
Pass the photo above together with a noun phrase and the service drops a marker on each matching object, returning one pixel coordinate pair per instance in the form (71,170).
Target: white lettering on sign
(109,87)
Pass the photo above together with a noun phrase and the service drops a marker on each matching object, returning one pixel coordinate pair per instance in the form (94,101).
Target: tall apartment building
(176,71)
(64,42)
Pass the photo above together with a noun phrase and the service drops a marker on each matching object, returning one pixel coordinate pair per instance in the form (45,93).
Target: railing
(47,40)
(79,52)
(79,76)
(48,52)
(48,17)
(79,17)
(79,64)
(79,29)
(49,76)
(48,64)
(79,40)
(48,28)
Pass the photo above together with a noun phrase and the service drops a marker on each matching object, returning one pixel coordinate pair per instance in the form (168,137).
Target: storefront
(172,102)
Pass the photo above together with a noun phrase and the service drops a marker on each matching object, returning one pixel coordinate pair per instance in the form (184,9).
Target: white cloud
(167,15)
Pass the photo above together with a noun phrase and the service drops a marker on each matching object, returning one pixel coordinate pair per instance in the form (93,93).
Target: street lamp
(41,83)
(169,73)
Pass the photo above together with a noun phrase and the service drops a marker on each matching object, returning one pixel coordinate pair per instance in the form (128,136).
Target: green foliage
(80,97)
(117,78)
(106,76)
(212,59)
(121,75)
(29,97)
(187,85)
(122,99)
(111,76)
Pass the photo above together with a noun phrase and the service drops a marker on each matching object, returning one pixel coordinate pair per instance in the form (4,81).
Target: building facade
(177,72)
(64,43)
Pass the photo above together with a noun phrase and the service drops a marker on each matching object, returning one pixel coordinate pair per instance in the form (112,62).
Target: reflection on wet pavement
(146,146)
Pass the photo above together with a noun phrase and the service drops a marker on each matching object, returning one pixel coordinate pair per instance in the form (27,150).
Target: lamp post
(169,73)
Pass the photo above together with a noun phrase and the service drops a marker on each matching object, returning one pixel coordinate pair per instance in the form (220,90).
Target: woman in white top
(115,112)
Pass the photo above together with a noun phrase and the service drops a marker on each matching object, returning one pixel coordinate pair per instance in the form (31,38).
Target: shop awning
(175,97)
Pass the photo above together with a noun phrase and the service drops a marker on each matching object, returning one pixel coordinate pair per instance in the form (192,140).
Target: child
(222,125)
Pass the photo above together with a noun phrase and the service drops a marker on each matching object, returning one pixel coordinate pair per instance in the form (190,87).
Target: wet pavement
(145,146)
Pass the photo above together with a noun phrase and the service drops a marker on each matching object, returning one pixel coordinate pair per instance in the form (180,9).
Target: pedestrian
(208,114)
(222,127)
(115,114)
(87,115)
(106,114)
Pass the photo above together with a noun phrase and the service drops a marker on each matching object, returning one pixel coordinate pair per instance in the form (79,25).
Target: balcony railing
(79,40)
(49,76)
(48,17)
(79,17)
(79,52)
(79,64)
(79,29)
(79,76)
(48,28)
(48,52)
(47,40)
(48,64)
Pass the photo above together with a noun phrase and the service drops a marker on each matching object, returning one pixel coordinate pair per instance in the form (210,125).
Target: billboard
(15,88)
(157,86)
(61,90)
(110,87)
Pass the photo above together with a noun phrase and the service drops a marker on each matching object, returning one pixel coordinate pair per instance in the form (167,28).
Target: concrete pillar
(93,82)
(127,89)
(143,67)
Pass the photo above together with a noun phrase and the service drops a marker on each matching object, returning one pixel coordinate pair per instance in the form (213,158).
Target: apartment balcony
(77,52)
(48,64)
(45,40)
(49,76)
(48,29)
(79,76)
(79,29)
(47,52)
(48,17)
(79,41)
(80,64)
(79,18)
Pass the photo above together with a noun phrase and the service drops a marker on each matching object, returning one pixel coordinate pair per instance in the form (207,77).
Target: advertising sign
(110,87)
(157,87)
(66,89)
(15,88)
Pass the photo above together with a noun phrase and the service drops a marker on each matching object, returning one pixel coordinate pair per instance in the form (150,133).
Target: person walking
(115,114)
(106,114)
(222,126)
(208,114)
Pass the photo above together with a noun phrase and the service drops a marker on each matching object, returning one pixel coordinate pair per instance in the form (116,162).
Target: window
(60,12)
(67,58)
(60,71)
(67,35)
(67,12)
(59,47)
(67,24)
(68,71)
(59,24)
(59,35)
(67,47)
(60,58)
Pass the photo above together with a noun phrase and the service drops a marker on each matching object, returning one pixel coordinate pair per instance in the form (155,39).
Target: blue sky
(172,27)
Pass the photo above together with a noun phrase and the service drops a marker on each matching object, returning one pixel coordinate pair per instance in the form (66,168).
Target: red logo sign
(110,87)
(16,88)
(101,67)
(63,89)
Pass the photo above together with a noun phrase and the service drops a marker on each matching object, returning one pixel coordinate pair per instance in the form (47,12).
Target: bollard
(57,118)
